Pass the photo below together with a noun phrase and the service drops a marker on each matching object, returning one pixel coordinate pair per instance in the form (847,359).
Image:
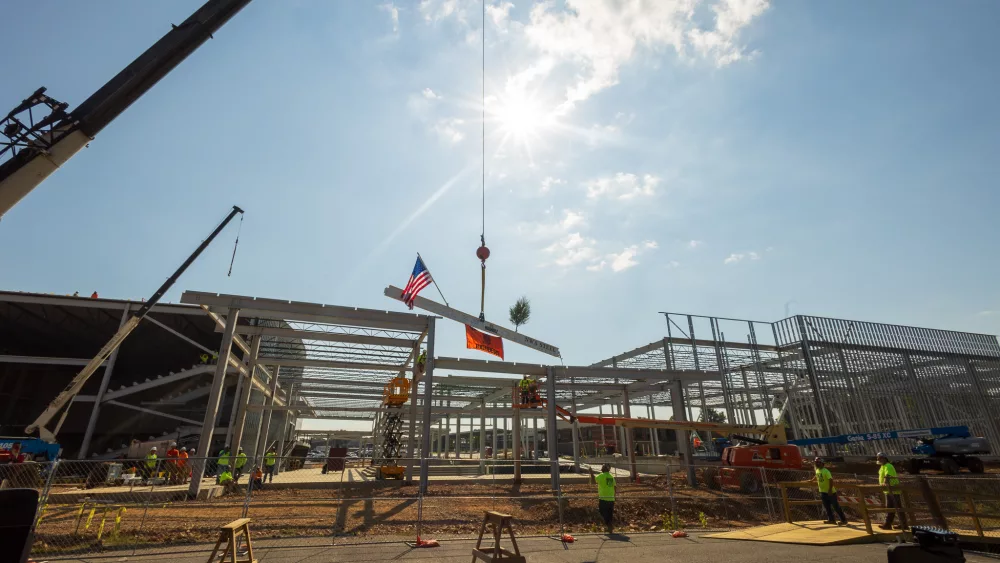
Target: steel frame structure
(832,376)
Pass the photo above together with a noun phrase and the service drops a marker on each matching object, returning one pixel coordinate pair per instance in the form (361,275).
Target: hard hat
(153,449)
(184,449)
(882,455)
(818,460)
(193,451)
(173,444)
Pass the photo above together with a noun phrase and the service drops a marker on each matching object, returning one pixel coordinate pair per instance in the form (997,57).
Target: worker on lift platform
(523,386)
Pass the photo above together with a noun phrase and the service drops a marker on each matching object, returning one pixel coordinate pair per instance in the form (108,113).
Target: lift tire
(711,478)
(975,465)
(949,466)
(913,466)
(749,483)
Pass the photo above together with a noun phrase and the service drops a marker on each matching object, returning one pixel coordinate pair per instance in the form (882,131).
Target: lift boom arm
(36,149)
(63,398)
(956,431)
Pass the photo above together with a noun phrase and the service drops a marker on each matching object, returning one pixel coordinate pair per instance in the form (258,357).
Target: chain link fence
(124,507)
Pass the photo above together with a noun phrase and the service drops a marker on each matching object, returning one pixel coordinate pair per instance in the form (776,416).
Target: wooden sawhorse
(498,522)
(229,534)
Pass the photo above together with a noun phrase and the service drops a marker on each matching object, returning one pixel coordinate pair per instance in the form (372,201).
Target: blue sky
(722,158)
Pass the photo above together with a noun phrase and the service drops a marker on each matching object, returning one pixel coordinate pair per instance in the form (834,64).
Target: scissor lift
(389,429)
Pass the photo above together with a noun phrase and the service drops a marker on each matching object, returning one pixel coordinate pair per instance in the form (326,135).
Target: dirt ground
(359,514)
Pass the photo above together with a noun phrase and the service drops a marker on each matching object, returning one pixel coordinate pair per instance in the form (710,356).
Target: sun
(521,116)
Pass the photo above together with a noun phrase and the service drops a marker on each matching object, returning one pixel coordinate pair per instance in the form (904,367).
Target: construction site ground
(631,548)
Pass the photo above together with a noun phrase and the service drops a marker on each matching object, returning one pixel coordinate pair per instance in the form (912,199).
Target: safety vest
(151,460)
(524,384)
(224,477)
(204,358)
(224,458)
(824,480)
(887,477)
(241,460)
(270,459)
(606,486)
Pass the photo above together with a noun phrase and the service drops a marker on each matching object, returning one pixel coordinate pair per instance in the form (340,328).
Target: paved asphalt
(638,548)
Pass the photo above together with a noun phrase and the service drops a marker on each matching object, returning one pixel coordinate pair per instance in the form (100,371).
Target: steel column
(205,440)
(552,431)
(425,434)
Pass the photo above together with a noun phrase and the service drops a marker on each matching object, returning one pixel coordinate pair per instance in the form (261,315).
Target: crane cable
(483,252)
(233,259)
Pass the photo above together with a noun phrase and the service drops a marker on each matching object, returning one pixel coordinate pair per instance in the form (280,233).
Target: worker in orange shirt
(182,465)
(173,458)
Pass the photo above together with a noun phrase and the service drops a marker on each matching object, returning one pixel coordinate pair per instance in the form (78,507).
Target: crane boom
(34,150)
(66,395)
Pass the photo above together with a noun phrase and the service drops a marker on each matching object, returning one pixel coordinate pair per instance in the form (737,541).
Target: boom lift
(64,398)
(956,447)
(39,135)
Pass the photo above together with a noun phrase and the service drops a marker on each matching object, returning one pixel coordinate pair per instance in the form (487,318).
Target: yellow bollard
(90,518)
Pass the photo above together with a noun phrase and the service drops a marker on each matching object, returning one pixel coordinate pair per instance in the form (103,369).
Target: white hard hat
(153,449)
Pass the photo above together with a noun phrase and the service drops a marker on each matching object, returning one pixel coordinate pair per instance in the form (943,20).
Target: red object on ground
(426,543)
(680,534)
(568,538)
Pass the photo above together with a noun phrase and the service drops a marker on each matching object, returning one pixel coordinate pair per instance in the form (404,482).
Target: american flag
(419,279)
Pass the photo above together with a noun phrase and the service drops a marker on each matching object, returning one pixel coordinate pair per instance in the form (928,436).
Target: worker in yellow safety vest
(223,461)
(270,459)
(890,486)
(828,493)
(149,467)
(524,385)
(605,495)
(225,478)
(241,460)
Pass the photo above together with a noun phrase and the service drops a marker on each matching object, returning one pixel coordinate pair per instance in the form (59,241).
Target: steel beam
(292,310)
(323,336)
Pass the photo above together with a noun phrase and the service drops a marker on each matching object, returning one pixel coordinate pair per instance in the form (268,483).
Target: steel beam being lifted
(447,312)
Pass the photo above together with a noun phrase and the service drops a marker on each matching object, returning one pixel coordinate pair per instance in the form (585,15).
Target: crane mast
(39,135)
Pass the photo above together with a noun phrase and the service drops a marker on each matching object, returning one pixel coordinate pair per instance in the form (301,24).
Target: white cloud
(499,14)
(740,256)
(598,37)
(448,130)
(987,313)
(730,17)
(437,10)
(573,249)
(624,259)
(393,12)
(549,181)
(622,186)
(571,220)
(430,94)
(673,264)
(692,244)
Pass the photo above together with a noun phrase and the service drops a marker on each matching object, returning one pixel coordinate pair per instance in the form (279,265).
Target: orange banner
(475,340)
